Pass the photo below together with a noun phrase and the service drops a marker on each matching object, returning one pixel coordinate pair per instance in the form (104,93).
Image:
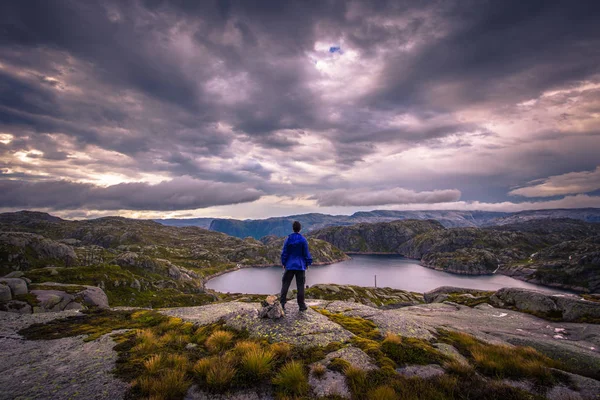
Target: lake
(392,271)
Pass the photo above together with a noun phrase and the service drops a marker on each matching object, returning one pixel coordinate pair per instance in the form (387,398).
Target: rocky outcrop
(271,308)
(560,306)
(441,293)
(22,251)
(375,297)
(15,296)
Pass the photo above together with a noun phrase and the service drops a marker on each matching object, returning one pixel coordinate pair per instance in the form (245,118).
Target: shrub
(382,393)
(257,363)
(318,370)
(219,341)
(291,379)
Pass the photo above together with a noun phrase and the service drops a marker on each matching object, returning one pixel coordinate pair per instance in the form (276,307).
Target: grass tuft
(243,347)
(257,363)
(291,379)
(281,350)
(318,371)
(357,380)
(382,393)
(219,341)
(169,384)
(153,364)
(219,373)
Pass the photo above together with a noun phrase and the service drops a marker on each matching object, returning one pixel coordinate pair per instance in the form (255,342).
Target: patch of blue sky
(335,49)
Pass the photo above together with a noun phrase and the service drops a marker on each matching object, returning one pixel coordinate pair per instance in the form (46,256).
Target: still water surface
(392,271)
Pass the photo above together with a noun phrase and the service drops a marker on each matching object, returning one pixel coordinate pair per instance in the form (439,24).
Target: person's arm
(284,253)
(307,255)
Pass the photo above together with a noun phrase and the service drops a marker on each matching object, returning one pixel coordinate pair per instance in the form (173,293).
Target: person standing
(295,259)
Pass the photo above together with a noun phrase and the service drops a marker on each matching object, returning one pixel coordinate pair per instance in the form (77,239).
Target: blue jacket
(295,254)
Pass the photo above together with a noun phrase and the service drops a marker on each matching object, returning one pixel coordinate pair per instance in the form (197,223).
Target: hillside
(135,261)
(381,237)
(555,252)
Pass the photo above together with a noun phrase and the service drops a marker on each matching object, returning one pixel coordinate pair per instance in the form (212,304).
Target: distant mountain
(281,226)
(200,222)
(584,214)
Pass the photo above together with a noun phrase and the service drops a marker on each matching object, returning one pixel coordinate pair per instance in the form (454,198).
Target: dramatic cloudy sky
(250,109)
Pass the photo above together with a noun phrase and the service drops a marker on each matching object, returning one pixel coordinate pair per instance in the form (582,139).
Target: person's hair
(296,226)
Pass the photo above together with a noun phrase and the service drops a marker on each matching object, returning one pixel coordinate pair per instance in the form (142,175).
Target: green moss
(359,326)
(64,288)
(93,323)
(407,350)
(28,298)
(338,364)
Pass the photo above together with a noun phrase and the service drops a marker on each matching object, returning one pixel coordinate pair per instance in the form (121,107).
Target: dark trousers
(286,280)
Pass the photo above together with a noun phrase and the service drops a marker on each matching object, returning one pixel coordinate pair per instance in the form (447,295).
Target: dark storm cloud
(499,51)
(178,194)
(191,87)
(367,197)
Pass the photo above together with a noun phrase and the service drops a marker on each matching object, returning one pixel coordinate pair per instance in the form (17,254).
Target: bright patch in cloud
(571,183)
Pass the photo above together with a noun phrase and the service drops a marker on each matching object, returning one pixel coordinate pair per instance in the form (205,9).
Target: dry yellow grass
(201,367)
(392,338)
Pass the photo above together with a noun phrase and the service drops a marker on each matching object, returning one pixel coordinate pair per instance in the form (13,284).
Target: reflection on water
(392,271)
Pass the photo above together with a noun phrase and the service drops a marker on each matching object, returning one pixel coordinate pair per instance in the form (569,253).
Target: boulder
(17,286)
(524,300)
(5,293)
(421,371)
(15,274)
(271,308)
(93,296)
(16,306)
(51,300)
(567,307)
